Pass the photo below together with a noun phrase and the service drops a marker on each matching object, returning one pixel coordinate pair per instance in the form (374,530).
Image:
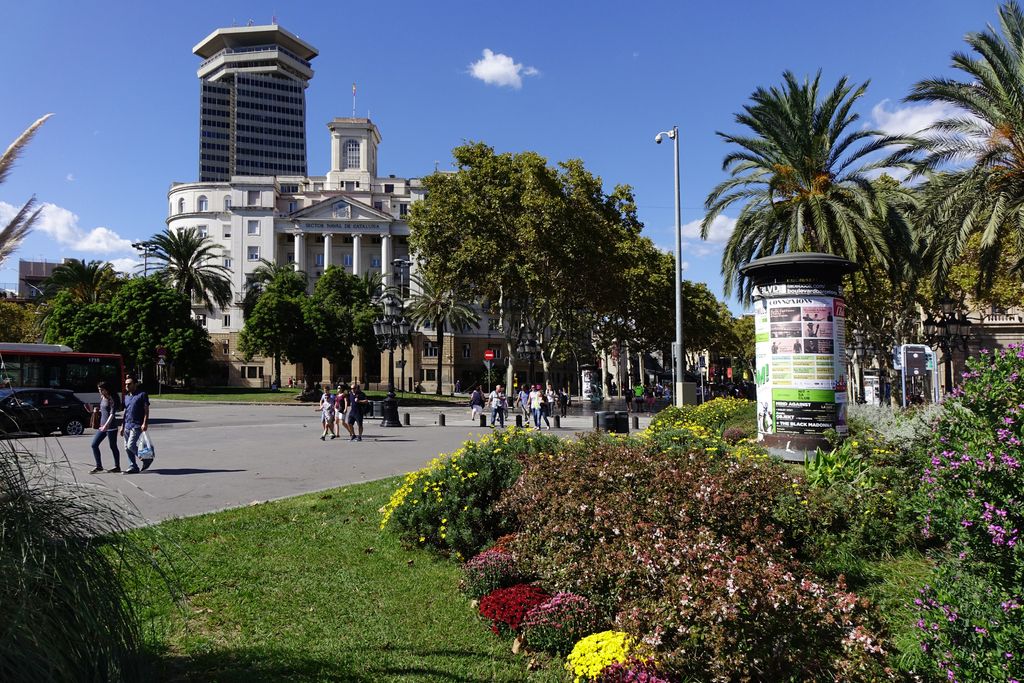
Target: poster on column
(800,347)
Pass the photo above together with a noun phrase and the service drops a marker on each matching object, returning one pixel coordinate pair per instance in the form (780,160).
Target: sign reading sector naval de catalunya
(489,354)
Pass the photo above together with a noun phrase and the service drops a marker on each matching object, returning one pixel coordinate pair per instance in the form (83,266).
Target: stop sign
(489,354)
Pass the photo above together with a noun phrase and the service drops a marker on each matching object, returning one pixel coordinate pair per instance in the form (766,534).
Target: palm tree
(189,265)
(263,275)
(88,283)
(442,308)
(803,179)
(18,227)
(987,130)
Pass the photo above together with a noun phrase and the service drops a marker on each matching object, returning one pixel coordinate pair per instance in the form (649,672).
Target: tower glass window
(351,154)
(181,205)
(202,204)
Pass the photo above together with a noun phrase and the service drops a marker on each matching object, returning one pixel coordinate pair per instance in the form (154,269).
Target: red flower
(506,607)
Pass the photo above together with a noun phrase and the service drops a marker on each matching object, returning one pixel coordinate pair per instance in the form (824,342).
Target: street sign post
(488,364)
(489,354)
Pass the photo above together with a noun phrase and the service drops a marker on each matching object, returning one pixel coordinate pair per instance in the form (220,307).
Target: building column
(300,251)
(328,241)
(385,260)
(357,249)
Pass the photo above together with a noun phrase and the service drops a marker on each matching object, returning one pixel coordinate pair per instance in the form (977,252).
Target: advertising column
(800,326)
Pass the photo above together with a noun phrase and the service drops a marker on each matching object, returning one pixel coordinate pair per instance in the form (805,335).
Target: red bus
(58,367)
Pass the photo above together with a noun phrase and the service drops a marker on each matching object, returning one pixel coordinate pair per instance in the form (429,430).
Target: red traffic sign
(489,354)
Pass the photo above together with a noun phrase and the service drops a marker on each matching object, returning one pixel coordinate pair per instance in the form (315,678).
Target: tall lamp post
(402,270)
(146,248)
(680,352)
(528,349)
(391,330)
(949,332)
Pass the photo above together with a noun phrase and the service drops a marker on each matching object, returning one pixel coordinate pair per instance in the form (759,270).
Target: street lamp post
(146,248)
(391,330)
(680,352)
(528,349)
(402,269)
(949,332)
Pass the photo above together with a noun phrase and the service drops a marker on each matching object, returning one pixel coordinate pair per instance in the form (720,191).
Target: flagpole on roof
(353,100)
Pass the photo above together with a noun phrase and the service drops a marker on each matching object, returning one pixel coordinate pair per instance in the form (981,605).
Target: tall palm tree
(986,131)
(263,275)
(189,264)
(442,308)
(18,227)
(88,282)
(803,178)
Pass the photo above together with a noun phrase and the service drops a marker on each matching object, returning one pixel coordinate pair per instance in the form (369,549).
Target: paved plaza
(215,456)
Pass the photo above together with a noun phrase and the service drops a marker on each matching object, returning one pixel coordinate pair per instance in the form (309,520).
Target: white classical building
(350,218)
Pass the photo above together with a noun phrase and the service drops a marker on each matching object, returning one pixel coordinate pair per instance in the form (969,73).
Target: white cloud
(125,265)
(70,177)
(62,226)
(911,119)
(721,229)
(501,70)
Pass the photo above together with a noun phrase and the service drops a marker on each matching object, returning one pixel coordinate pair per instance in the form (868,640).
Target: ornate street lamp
(391,330)
(528,349)
(949,333)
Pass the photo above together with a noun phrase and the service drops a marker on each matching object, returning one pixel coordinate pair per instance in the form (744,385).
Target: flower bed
(506,607)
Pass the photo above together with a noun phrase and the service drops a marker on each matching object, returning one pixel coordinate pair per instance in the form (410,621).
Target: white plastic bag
(147,452)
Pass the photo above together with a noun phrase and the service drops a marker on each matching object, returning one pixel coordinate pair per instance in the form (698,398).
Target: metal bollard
(595,422)
(558,422)
(636,422)
(483,420)
(405,419)
(440,419)
(519,421)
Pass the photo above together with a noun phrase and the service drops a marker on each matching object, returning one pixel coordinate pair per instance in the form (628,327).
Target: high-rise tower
(253,102)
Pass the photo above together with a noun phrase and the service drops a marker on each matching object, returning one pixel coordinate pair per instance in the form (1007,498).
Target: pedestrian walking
(649,398)
(563,401)
(136,422)
(357,403)
(107,428)
(524,402)
(638,397)
(536,400)
(341,410)
(545,407)
(629,399)
(326,409)
(476,403)
(497,399)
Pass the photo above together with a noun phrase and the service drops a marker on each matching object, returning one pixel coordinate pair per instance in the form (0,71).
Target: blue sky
(595,80)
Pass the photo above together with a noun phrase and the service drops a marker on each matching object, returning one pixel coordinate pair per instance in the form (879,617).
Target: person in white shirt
(497,399)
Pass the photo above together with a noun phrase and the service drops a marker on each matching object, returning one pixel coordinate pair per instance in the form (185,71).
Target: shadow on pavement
(188,470)
(166,420)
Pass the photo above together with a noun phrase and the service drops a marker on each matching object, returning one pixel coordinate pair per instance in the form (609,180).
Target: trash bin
(621,422)
(604,421)
(376,408)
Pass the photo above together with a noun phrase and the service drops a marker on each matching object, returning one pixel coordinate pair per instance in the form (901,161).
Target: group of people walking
(131,429)
(641,397)
(537,404)
(343,409)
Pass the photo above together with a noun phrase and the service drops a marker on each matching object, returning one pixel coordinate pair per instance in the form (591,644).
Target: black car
(41,411)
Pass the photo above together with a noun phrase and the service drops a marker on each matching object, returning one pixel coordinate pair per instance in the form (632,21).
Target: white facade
(349,218)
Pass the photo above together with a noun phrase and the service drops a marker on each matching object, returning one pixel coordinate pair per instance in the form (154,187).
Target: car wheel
(73,427)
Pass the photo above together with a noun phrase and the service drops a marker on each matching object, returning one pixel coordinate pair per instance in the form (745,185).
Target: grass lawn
(308,589)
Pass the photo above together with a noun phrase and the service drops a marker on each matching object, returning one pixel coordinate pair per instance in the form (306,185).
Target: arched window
(202,204)
(181,205)
(351,154)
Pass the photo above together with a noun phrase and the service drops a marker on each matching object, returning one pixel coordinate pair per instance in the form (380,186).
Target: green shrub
(67,577)
(972,501)
(683,549)
(449,504)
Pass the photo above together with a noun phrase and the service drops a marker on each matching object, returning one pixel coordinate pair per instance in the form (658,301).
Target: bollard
(519,421)
(558,422)
(405,419)
(440,419)
(595,422)
(636,422)
(483,420)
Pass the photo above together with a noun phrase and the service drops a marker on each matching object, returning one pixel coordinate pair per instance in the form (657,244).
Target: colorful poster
(801,363)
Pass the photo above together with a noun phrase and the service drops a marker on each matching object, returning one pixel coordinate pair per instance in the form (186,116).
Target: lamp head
(658,138)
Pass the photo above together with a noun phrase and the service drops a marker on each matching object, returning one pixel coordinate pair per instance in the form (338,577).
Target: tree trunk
(605,365)
(630,366)
(277,368)
(439,326)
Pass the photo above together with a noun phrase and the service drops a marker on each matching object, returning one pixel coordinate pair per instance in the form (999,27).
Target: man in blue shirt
(136,421)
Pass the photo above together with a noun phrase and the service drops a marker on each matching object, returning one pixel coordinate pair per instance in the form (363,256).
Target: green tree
(276,326)
(256,281)
(17,227)
(802,179)
(17,323)
(189,262)
(340,315)
(84,328)
(88,282)
(443,307)
(986,196)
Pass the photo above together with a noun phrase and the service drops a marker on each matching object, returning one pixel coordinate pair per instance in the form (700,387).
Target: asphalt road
(216,456)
